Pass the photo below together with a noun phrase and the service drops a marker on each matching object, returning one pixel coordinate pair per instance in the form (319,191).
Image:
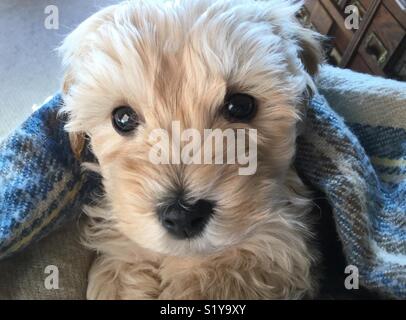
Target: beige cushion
(22,276)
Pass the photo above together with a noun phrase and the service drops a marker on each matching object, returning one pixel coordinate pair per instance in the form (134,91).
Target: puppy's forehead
(189,55)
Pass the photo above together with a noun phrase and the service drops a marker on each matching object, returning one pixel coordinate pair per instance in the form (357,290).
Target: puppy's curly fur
(177,61)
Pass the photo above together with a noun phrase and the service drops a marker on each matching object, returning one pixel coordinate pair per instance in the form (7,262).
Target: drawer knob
(375,48)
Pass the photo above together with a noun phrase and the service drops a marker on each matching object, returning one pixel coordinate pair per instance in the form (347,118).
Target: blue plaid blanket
(41,182)
(353,149)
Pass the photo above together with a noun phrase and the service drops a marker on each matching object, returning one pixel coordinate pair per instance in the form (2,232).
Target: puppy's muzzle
(183,220)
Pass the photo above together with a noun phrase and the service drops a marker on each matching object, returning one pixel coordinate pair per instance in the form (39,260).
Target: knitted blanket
(353,149)
(355,152)
(41,182)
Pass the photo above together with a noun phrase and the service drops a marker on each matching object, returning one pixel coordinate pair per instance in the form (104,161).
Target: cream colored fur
(176,61)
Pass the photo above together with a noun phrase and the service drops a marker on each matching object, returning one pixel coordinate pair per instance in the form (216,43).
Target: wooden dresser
(377,46)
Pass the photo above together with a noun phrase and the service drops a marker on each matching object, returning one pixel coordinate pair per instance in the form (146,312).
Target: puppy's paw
(233,286)
(117,280)
(103,282)
(240,274)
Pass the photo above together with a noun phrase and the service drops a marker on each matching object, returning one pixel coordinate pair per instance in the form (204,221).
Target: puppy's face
(137,67)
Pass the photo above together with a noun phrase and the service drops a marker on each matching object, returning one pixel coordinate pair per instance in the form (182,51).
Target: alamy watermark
(351,282)
(215,146)
(352,21)
(51,282)
(52,19)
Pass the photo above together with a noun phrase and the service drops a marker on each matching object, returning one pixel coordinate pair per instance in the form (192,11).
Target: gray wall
(30,69)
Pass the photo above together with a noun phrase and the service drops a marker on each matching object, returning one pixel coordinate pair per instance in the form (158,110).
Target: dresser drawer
(377,46)
(381,40)
(321,19)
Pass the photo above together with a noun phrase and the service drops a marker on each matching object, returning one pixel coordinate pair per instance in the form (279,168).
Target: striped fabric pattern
(41,183)
(354,150)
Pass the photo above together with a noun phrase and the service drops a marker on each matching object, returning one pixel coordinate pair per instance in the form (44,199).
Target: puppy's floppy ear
(72,49)
(77,143)
(310,53)
(283,15)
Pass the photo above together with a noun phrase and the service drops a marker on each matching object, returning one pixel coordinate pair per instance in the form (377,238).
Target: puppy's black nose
(183,220)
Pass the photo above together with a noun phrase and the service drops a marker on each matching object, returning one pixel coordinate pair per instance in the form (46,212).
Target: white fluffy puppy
(193,231)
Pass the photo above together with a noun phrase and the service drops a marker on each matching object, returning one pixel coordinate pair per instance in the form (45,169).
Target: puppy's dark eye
(240,108)
(125,120)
